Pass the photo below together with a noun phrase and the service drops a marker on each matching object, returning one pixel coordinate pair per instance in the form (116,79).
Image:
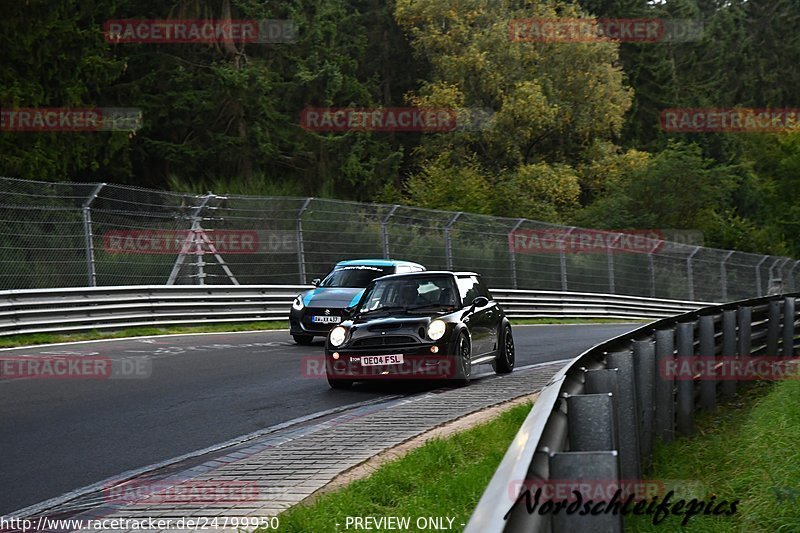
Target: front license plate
(326,319)
(380,360)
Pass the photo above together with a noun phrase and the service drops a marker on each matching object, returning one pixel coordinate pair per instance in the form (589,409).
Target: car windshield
(355,276)
(409,294)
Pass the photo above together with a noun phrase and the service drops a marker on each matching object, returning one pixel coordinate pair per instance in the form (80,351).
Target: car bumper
(301,322)
(418,362)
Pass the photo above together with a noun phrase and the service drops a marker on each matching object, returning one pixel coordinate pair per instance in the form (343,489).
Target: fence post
(791,277)
(610,260)
(759,292)
(301,252)
(772,270)
(723,276)
(563,261)
(690,272)
(385,231)
(88,236)
(191,239)
(448,243)
(651,268)
(513,253)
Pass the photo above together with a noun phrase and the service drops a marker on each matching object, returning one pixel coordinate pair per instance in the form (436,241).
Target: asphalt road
(57,435)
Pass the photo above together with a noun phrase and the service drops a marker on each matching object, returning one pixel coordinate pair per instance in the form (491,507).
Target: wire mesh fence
(84,234)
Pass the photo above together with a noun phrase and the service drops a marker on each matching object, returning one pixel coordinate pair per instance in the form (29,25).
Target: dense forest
(572,133)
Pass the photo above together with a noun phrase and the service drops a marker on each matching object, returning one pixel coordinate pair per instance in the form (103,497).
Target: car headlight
(337,336)
(298,304)
(436,329)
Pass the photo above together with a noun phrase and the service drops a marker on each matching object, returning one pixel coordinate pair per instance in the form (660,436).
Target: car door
(477,320)
(492,316)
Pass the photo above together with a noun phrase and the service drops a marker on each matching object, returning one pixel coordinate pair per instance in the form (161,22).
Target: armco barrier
(599,416)
(87,308)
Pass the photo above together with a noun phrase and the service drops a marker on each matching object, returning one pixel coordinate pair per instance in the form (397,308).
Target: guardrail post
(685,403)
(512,252)
(88,236)
(448,242)
(590,422)
(665,386)
(788,326)
(301,252)
(729,348)
(744,346)
(602,381)
(723,276)
(600,467)
(773,327)
(708,384)
(385,230)
(745,331)
(644,363)
(628,445)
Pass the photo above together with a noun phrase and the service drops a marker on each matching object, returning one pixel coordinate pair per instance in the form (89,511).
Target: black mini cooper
(423,325)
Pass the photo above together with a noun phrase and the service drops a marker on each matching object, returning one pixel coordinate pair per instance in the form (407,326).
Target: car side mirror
(348,311)
(480,301)
(316,281)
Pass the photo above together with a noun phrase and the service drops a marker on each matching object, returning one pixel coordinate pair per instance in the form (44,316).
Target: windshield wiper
(384,308)
(426,306)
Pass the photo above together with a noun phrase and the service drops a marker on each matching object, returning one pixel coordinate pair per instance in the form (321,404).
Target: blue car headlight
(298,304)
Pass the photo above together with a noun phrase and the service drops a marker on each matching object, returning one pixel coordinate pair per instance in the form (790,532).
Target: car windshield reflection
(410,294)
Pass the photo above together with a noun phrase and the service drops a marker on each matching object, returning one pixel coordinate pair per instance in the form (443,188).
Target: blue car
(316,312)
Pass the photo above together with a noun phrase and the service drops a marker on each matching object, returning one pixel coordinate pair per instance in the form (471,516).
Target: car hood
(332,297)
(388,323)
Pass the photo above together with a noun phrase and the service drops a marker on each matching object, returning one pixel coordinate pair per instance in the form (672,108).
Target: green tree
(54,55)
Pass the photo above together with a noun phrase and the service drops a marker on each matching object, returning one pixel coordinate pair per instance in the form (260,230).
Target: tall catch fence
(92,234)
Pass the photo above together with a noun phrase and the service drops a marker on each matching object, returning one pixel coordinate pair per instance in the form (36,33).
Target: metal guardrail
(599,416)
(87,308)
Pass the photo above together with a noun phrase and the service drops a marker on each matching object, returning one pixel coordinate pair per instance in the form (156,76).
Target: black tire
(464,356)
(305,340)
(504,364)
(340,384)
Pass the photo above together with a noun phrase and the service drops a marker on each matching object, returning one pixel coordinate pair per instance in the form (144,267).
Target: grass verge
(747,451)
(442,478)
(13,341)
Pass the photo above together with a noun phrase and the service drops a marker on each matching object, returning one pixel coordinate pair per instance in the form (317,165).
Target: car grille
(384,340)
